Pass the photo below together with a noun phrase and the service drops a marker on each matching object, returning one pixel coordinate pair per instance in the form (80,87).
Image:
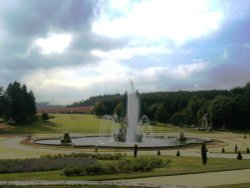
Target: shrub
(44,164)
(135,150)
(223,150)
(239,156)
(115,156)
(158,152)
(96,169)
(123,166)
(248,151)
(45,116)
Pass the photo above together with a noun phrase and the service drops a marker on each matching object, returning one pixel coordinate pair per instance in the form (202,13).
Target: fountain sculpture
(128,133)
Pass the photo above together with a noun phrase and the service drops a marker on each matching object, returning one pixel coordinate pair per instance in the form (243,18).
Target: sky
(69,50)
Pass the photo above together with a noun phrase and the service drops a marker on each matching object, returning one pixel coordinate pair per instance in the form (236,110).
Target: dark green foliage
(45,116)
(1,101)
(108,156)
(230,109)
(19,104)
(141,164)
(158,152)
(178,154)
(120,110)
(239,156)
(235,148)
(99,108)
(204,153)
(223,150)
(178,118)
(135,150)
(248,150)
(66,138)
(161,114)
(43,164)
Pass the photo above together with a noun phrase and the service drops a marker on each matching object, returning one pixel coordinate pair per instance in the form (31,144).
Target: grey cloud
(35,17)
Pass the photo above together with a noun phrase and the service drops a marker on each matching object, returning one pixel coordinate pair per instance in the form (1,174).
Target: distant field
(81,123)
(83,109)
(74,123)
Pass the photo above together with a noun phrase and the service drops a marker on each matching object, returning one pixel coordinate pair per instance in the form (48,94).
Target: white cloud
(130,52)
(106,77)
(155,19)
(54,43)
(179,72)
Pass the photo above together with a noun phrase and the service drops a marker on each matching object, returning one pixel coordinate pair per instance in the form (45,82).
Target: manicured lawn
(242,185)
(67,186)
(179,165)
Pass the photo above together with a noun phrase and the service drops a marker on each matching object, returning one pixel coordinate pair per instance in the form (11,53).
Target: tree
(19,104)
(222,109)
(99,108)
(119,110)
(1,101)
(161,114)
(178,118)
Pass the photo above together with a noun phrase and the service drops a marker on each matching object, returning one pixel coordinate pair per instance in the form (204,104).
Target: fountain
(129,132)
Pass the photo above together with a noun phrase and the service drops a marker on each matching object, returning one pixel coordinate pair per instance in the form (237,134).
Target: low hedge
(141,164)
(38,165)
(115,156)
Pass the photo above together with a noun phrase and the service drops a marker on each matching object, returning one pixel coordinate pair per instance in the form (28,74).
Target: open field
(78,123)
(74,123)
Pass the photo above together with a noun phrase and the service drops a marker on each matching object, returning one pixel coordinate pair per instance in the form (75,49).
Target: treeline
(229,109)
(17,104)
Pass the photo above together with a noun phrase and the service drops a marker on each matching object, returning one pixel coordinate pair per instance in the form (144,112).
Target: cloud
(178,21)
(54,43)
(108,77)
(69,50)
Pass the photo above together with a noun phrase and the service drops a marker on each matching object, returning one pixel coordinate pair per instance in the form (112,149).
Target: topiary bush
(204,153)
(239,156)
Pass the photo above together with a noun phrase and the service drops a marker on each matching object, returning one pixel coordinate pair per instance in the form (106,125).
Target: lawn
(242,185)
(67,186)
(179,165)
(73,123)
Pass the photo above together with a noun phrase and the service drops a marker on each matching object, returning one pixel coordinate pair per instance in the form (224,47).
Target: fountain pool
(128,135)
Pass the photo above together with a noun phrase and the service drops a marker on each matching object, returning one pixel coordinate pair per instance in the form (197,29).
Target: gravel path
(198,180)
(128,184)
(13,149)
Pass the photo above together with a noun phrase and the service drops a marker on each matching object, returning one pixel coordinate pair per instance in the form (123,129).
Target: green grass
(242,185)
(73,123)
(179,165)
(66,186)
